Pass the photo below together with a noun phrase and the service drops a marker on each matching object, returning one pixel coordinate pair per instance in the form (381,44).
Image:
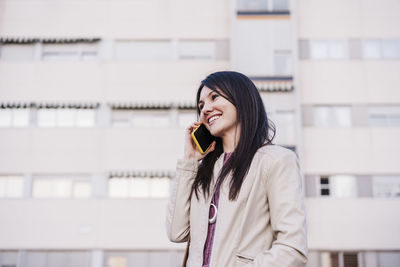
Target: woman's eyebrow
(201,101)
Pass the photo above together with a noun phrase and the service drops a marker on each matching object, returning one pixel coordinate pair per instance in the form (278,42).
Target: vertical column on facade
(21,260)
(38,51)
(28,186)
(106,49)
(104,114)
(99,185)
(97,258)
(174,116)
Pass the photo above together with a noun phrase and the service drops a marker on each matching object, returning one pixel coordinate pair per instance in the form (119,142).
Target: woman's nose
(207,108)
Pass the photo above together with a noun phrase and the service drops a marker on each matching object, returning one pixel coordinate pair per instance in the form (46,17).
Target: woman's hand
(190,149)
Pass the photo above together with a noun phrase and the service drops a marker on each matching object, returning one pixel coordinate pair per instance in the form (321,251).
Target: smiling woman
(247,208)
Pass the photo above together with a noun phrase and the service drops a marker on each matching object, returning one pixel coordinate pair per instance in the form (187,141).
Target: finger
(212,148)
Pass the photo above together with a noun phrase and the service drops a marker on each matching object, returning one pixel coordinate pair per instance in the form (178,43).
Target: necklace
(214,218)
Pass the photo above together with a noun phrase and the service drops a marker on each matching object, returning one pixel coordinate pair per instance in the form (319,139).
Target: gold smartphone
(202,138)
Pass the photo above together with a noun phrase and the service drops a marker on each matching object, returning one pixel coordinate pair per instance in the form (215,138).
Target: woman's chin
(216,133)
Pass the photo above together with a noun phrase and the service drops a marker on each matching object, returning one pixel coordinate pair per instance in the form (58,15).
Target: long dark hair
(255,130)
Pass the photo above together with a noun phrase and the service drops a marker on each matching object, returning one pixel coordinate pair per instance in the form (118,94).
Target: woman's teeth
(213,119)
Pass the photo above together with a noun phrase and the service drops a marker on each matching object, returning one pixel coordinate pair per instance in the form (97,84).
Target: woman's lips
(212,119)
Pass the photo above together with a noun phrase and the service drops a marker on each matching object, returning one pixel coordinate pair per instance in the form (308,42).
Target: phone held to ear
(202,138)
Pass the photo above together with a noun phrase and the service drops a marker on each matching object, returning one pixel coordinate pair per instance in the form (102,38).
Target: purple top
(211,227)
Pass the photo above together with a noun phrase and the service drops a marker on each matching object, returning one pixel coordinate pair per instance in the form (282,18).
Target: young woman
(240,204)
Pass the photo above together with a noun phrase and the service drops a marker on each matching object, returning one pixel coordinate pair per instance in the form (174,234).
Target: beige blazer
(265,226)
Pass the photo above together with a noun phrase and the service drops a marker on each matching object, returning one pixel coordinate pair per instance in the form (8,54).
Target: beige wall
(344,19)
(84,224)
(115,19)
(333,224)
(353,224)
(348,82)
(104,81)
(89,150)
(351,150)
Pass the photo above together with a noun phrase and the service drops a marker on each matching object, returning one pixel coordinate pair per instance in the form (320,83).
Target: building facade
(95,96)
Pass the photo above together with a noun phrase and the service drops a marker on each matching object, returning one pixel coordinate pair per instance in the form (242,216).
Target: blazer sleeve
(288,218)
(178,210)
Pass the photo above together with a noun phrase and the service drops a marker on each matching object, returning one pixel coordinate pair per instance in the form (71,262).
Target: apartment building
(95,96)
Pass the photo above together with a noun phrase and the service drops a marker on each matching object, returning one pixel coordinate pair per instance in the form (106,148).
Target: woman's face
(217,113)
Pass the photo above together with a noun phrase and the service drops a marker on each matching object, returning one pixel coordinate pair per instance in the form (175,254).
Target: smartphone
(202,138)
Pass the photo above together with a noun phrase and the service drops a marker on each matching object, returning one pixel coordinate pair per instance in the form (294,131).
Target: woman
(241,204)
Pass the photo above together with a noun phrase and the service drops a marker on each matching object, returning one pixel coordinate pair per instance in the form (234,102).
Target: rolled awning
(274,84)
(58,40)
(141,173)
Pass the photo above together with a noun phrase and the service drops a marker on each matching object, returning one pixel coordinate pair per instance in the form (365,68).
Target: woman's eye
(213,97)
(200,107)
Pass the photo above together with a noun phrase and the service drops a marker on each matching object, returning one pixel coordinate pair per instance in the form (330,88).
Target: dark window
(324,180)
(350,260)
(324,192)
(334,259)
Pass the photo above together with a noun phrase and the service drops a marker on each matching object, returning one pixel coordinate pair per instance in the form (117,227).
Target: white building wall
(101,223)
(151,81)
(344,19)
(116,19)
(350,82)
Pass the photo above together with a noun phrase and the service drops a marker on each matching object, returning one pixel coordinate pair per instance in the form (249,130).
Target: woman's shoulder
(275,152)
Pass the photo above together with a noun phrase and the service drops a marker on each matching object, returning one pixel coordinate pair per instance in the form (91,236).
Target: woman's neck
(230,140)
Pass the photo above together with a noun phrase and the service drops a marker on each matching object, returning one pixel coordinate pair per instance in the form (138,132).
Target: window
(324,186)
(121,118)
(69,52)
(319,49)
(47,117)
(328,49)
(332,116)
(139,187)
(372,49)
(85,118)
(144,50)
(185,118)
(14,117)
(60,52)
(340,186)
(343,186)
(391,49)
(339,259)
(381,49)
(252,5)
(143,258)
(159,187)
(66,117)
(388,258)
(283,63)
(17,51)
(384,116)
(61,187)
(11,186)
(281,5)
(116,261)
(197,50)
(329,259)
(58,258)
(141,118)
(386,186)
(8,258)
(350,260)
(337,49)
(151,119)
